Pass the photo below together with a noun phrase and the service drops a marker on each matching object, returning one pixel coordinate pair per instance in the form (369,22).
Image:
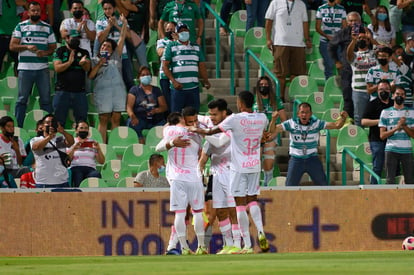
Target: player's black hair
(247,98)
(218,103)
(4,120)
(305,104)
(154,157)
(189,111)
(174,118)
(112,2)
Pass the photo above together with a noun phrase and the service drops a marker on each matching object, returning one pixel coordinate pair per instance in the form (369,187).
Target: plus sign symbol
(316,227)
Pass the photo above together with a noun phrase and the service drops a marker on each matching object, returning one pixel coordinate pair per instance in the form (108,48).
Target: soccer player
(185,181)
(247,130)
(217,147)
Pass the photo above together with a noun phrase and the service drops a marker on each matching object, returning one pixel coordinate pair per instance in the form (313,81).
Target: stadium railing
(363,167)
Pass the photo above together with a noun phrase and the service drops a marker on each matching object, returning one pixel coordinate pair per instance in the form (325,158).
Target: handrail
(263,68)
(362,166)
(220,22)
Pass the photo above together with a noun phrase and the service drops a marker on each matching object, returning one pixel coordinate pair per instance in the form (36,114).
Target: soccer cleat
(173,251)
(247,251)
(235,250)
(263,243)
(225,250)
(186,251)
(201,251)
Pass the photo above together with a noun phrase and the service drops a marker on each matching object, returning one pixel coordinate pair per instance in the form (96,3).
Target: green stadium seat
(301,87)
(108,151)
(238,23)
(154,136)
(350,137)
(8,88)
(22,133)
(277,181)
(7,113)
(266,56)
(255,39)
(93,183)
(332,89)
(316,71)
(363,152)
(332,115)
(120,137)
(95,135)
(134,155)
(126,182)
(114,170)
(31,119)
(320,103)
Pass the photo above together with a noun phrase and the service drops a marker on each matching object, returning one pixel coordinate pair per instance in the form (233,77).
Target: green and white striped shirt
(375,74)
(331,19)
(41,35)
(363,60)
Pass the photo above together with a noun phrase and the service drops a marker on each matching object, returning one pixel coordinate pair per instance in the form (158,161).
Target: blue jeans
(256,11)
(140,53)
(360,100)
(127,73)
(298,166)
(26,80)
(62,101)
(144,124)
(65,184)
(79,173)
(327,60)
(166,91)
(378,157)
(184,98)
(392,160)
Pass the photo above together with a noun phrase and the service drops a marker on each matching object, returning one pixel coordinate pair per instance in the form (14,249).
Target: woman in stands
(6,180)
(267,102)
(84,154)
(382,30)
(145,104)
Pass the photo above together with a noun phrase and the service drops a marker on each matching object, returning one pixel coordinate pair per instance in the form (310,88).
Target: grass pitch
(384,262)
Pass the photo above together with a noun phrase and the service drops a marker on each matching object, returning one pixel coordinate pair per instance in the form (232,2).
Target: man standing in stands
(35,41)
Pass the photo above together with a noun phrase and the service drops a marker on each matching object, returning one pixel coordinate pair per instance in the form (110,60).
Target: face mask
(74,43)
(9,135)
(83,134)
(184,36)
(399,100)
(169,35)
(78,14)
(383,61)
(1,169)
(382,16)
(264,90)
(161,169)
(384,95)
(35,18)
(362,44)
(39,133)
(145,80)
(412,50)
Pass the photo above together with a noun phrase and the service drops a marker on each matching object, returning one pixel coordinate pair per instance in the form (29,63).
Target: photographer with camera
(11,148)
(49,151)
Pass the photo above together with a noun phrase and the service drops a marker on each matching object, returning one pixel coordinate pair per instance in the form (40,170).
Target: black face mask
(361,44)
(39,133)
(169,35)
(383,61)
(331,1)
(74,43)
(9,134)
(399,100)
(35,18)
(78,14)
(384,95)
(83,134)
(264,90)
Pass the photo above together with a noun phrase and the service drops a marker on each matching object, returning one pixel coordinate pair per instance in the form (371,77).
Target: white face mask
(184,36)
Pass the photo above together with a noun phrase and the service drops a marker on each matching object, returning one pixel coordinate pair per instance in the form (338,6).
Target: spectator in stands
(330,18)
(46,7)
(256,10)
(337,48)
(288,22)
(382,30)
(407,17)
(408,54)
(35,41)
(6,180)
(27,180)
(84,154)
(183,64)
(370,118)
(156,8)
(396,124)
(12,146)
(138,13)
(145,105)
(8,20)
(152,177)
(79,24)
(361,57)
(71,64)
(110,26)
(382,71)
(227,7)
(304,138)
(162,43)
(406,80)
(358,6)
(109,88)
(49,171)
(267,102)
(395,15)
(184,12)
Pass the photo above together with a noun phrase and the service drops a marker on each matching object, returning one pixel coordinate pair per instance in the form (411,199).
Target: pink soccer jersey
(247,130)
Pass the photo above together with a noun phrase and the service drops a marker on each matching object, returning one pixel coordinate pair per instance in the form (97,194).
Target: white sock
(199,227)
(235,230)
(225,228)
(244,225)
(173,239)
(179,224)
(256,215)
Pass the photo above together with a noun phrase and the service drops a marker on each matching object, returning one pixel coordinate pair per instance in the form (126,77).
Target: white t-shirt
(287,29)
(6,147)
(247,130)
(70,24)
(84,156)
(220,156)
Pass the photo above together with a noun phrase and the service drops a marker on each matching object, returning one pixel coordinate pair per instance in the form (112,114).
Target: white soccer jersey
(220,156)
(182,163)
(247,130)
(6,147)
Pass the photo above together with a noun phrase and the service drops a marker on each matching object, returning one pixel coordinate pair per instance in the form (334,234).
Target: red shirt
(27,180)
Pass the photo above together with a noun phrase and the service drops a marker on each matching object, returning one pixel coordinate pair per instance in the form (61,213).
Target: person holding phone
(84,154)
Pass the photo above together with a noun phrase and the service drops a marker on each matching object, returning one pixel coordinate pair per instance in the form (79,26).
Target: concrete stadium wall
(138,223)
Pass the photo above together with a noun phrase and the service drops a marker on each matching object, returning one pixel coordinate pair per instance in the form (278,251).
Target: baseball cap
(410,36)
(181,26)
